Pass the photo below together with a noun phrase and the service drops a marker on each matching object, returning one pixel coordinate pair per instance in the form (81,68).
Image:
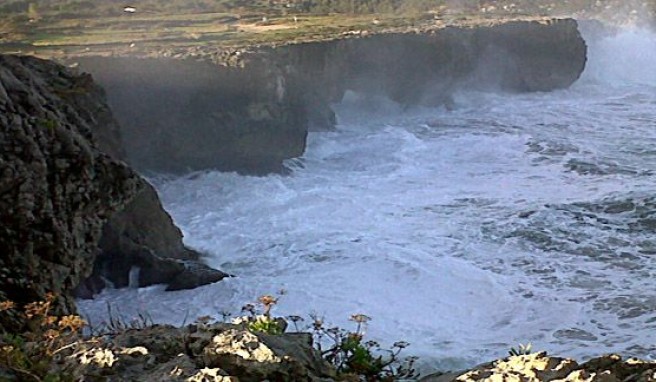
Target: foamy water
(513,218)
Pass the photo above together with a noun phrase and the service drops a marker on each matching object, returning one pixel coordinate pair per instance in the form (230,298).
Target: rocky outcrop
(217,352)
(141,235)
(67,199)
(539,367)
(56,187)
(250,110)
(142,238)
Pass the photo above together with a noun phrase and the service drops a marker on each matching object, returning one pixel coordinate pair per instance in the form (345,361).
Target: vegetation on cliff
(75,8)
(253,347)
(91,27)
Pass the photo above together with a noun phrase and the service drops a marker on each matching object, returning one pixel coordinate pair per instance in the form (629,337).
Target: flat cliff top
(218,34)
(206,35)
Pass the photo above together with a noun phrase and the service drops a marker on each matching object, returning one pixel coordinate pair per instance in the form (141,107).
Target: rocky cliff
(250,109)
(56,187)
(67,198)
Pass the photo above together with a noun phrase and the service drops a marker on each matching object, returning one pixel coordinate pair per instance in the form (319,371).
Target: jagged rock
(56,187)
(189,114)
(61,179)
(143,235)
(257,357)
(539,367)
(193,275)
(218,352)
(533,367)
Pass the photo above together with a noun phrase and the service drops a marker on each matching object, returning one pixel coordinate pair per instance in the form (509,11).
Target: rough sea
(512,218)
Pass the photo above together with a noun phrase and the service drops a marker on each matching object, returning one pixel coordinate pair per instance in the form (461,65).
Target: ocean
(507,219)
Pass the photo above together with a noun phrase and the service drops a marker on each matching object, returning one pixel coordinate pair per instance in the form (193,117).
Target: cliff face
(56,187)
(184,114)
(66,198)
(181,115)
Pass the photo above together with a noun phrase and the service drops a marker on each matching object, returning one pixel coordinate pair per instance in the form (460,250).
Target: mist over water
(512,218)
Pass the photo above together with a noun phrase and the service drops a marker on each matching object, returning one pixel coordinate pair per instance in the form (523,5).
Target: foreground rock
(61,180)
(541,367)
(218,352)
(248,110)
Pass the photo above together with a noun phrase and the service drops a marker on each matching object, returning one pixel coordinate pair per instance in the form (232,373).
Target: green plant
(267,325)
(259,319)
(521,350)
(347,351)
(353,357)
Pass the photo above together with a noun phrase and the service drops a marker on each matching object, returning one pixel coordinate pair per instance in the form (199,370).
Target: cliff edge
(251,108)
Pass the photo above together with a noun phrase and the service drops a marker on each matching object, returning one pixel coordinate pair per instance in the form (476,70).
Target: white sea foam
(422,220)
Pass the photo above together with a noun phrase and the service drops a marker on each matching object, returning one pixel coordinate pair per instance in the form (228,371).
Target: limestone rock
(218,352)
(525,368)
(143,235)
(541,367)
(62,179)
(180,115)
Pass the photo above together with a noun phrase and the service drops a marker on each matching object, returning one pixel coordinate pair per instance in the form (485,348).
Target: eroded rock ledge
(61,180)
(254,110)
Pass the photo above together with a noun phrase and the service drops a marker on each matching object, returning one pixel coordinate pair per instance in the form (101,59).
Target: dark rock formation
(61,180)
(182,115)
(56,187)
(142,237)
(254,111)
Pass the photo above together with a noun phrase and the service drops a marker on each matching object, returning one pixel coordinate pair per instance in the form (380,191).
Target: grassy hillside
(84,8)
(63,27)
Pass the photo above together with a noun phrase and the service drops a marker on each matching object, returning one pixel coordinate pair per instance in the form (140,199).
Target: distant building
(129,9)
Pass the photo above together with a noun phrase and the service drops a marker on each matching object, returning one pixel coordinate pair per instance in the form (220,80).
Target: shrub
(353,357)
(30,354)
(521,350)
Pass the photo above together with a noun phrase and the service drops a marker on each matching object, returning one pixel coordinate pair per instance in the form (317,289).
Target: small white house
(129,9)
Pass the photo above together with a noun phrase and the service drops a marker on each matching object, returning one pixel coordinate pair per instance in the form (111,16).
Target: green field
(74,27)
